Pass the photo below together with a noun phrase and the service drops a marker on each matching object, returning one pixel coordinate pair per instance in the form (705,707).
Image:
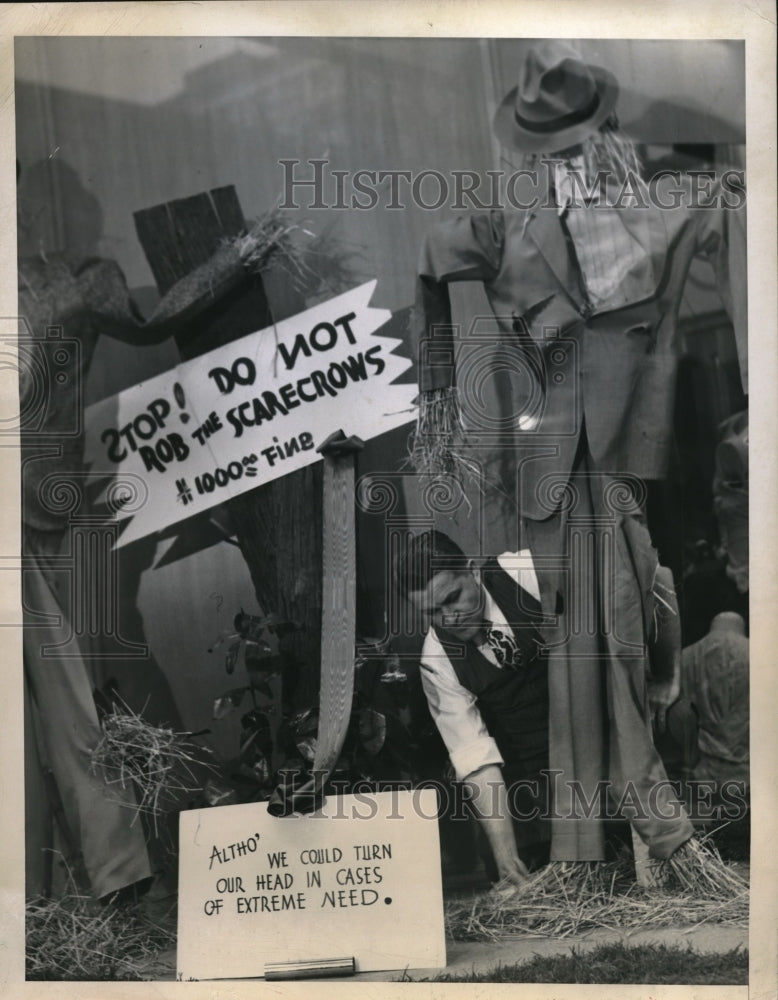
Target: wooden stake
(277,525)
(338,597)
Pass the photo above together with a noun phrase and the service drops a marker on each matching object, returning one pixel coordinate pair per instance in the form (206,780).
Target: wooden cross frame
(278,525)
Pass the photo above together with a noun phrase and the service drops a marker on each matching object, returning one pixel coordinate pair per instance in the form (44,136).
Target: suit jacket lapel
(545,230)
(645,225)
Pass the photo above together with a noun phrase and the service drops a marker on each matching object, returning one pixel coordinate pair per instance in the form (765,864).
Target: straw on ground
(74,937)
(564,899)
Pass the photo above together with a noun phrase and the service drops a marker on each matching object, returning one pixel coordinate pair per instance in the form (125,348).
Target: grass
(617,963)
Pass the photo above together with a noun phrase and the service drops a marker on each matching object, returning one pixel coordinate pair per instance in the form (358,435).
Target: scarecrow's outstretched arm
(468,248)
(103,288)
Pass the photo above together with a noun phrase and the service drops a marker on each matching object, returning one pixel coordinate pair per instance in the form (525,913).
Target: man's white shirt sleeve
(452,706)
(454,711)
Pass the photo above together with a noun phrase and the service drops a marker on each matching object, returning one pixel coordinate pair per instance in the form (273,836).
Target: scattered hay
(154,760)
(74,937)
(696,887)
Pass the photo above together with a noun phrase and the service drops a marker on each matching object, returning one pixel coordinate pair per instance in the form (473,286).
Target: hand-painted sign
(359,879)
(248,412)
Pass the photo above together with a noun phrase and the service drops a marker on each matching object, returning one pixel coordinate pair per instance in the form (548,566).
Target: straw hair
(611,149)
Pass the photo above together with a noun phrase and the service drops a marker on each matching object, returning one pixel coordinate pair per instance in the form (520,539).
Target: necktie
(504,647)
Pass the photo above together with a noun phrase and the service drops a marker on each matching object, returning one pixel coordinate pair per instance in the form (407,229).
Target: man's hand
(662,693)
(512,871)
(489,801)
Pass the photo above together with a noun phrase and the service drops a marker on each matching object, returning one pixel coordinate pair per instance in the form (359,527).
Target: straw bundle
(75,938)
(273,241)
(437,446)
(696,886)
(322,263)
(438,429)
(154,760)
(697,868)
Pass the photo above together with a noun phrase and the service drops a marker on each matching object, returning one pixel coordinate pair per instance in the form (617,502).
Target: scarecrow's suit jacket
(610,371)
(608,381)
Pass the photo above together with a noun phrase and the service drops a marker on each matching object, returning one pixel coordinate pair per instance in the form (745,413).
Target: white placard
(248,412)
(361,877)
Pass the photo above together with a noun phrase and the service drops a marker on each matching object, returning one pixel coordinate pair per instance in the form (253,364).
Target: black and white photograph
(377,403)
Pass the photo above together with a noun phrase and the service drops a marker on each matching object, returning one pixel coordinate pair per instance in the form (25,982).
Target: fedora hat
(558,102)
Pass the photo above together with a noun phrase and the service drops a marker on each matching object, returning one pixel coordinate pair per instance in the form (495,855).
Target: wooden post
(277,525)
(338,626)
(339,570)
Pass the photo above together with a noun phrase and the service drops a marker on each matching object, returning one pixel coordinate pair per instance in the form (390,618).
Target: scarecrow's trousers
(599,559)
(101,819)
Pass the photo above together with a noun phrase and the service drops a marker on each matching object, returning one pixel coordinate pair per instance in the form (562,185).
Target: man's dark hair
(421,557)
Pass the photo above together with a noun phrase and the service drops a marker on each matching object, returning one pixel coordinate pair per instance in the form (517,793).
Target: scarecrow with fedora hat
(584,276)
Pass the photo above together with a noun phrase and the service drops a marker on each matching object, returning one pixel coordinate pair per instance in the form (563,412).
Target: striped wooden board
(339,563)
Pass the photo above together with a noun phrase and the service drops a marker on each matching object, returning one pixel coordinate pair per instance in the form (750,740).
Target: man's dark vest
(513,702)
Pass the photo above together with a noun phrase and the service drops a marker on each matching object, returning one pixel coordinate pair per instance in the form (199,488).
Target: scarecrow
(68,301)
(585,284)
